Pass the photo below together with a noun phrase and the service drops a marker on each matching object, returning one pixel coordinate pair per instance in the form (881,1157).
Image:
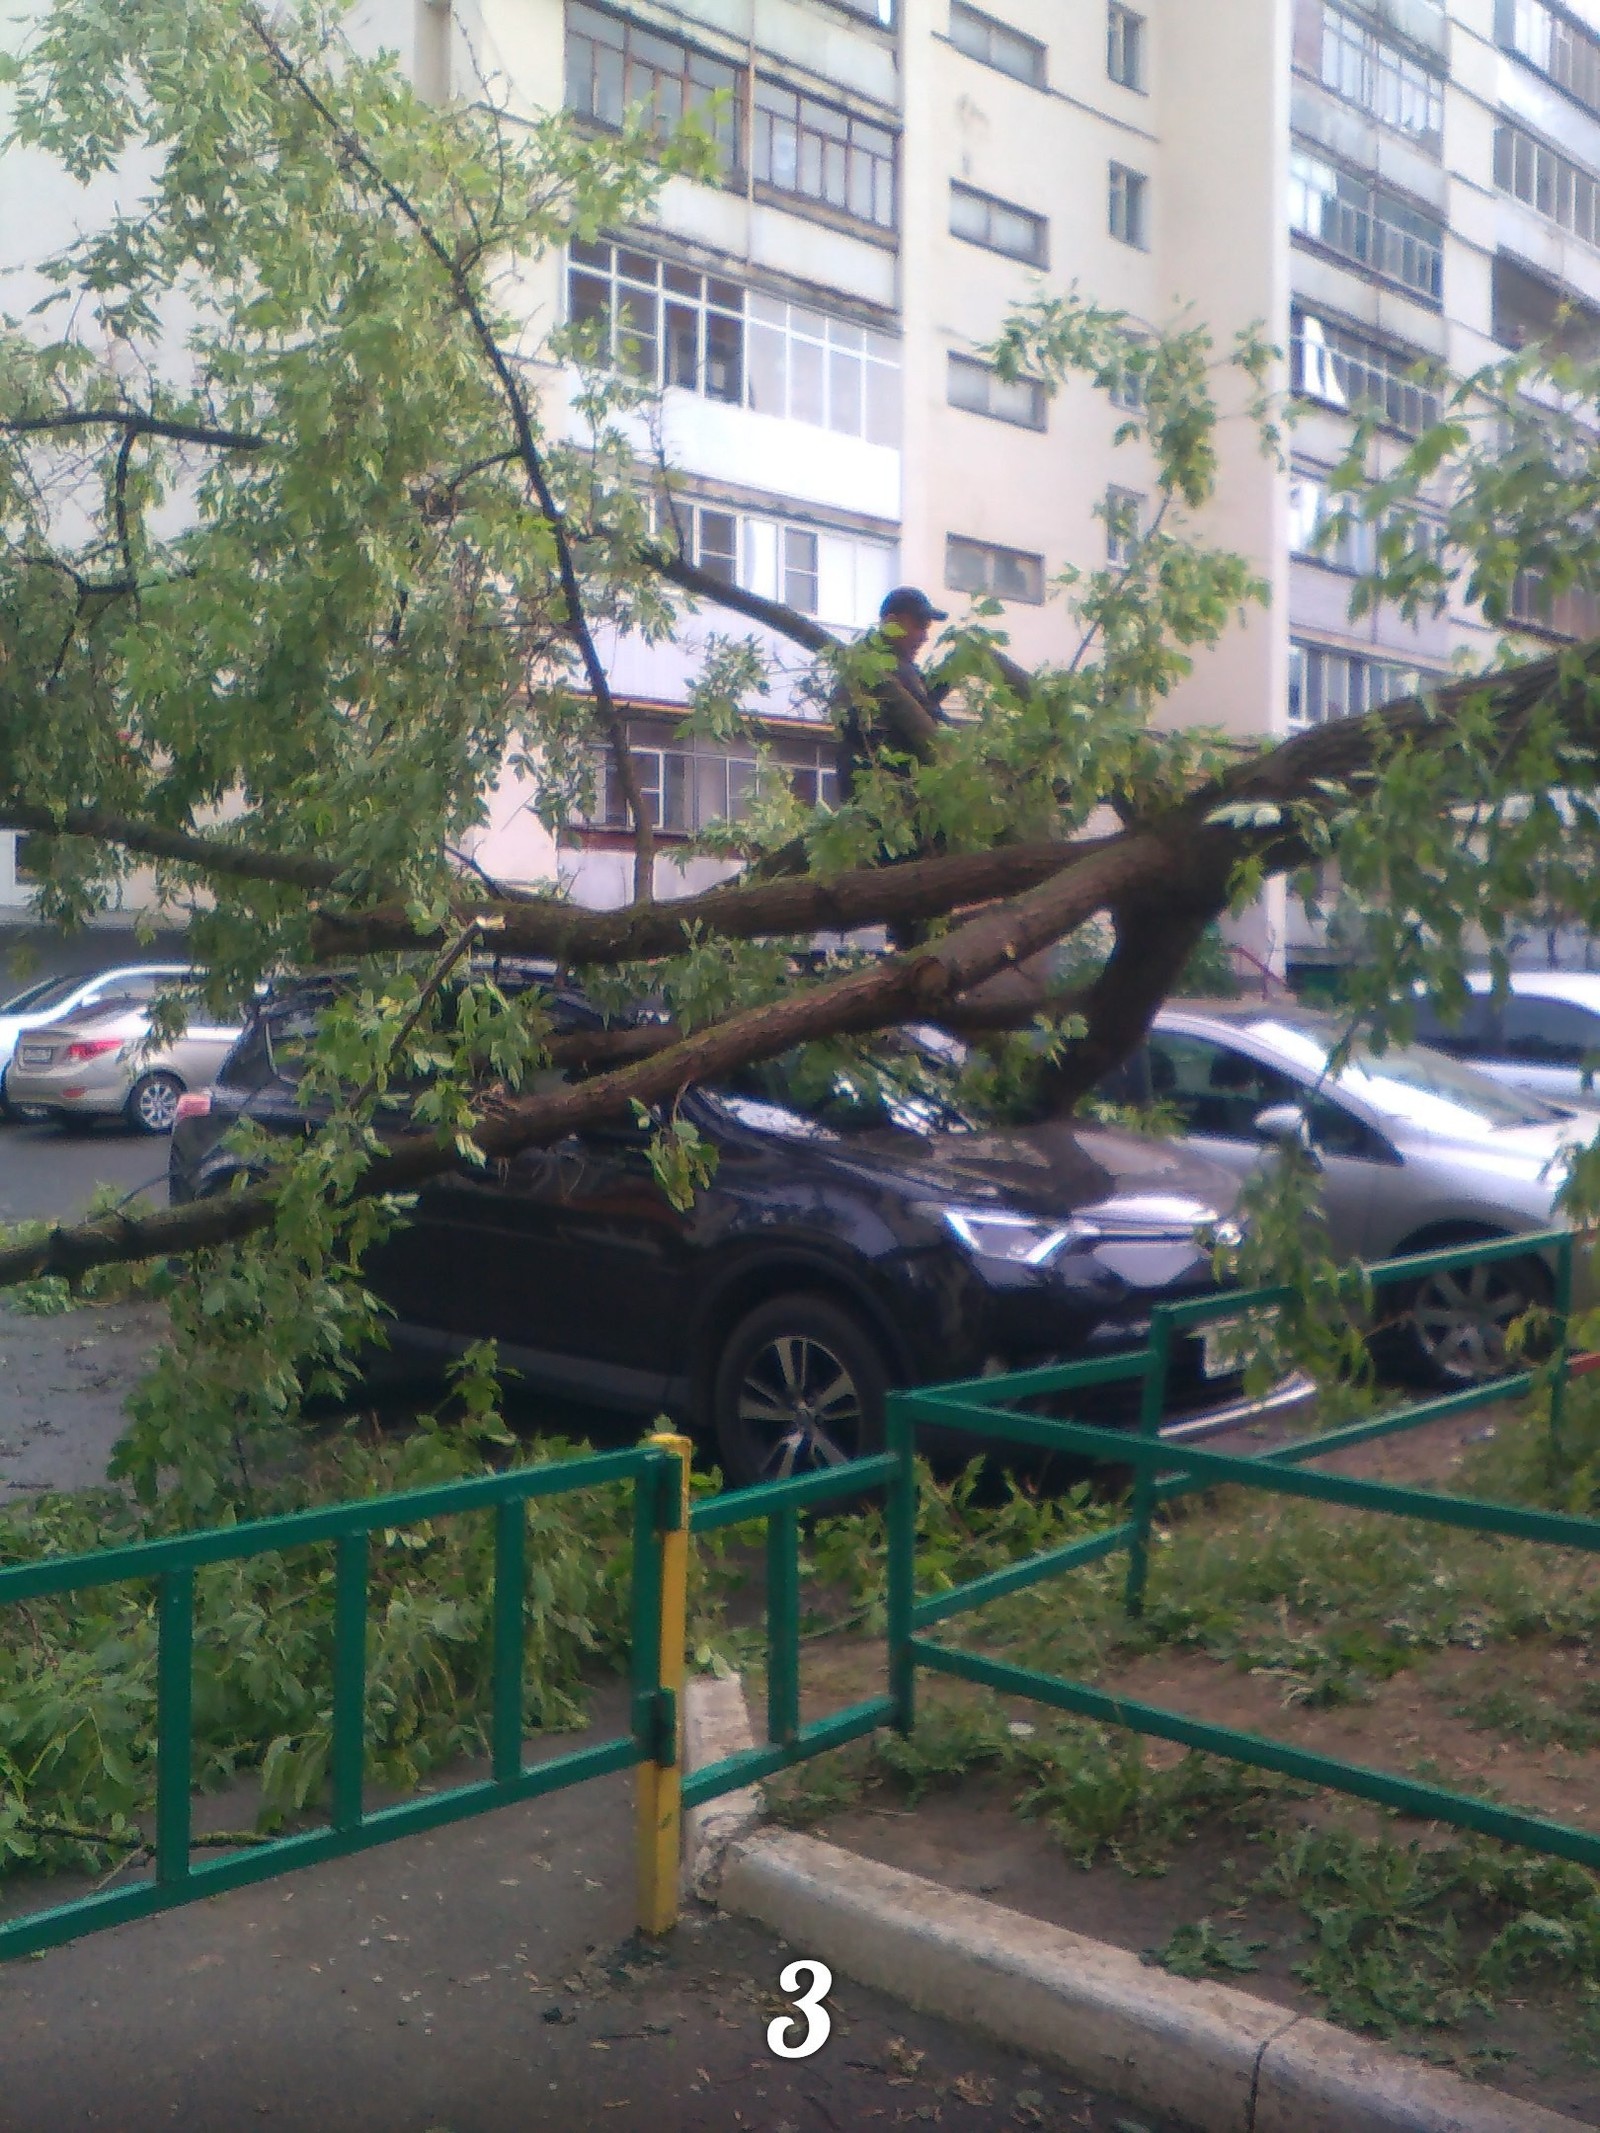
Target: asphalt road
(46,1173)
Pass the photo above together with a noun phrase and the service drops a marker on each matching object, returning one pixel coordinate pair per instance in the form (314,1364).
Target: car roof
(1581,987)
(1244,1014)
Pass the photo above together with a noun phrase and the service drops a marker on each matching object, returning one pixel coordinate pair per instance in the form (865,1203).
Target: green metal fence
(1165,1470)
(656,1471)
(653,1471)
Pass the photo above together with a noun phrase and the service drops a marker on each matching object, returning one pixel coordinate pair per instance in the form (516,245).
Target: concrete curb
(715,1724)
(1216,2057)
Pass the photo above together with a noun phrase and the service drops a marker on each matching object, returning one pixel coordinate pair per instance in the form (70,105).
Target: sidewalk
(482,1980)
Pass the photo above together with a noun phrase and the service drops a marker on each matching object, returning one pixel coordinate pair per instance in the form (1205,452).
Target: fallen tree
(283,608)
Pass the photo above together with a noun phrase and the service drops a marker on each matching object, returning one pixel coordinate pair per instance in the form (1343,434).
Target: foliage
(1201,1950)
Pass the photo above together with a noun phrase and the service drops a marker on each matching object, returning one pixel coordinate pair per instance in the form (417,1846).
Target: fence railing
(657,1472)
(1164,1470)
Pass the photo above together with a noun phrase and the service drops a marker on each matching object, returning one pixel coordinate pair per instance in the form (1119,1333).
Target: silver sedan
(1415,1151)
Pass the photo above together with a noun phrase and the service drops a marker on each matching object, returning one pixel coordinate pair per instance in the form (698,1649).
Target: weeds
(1200,1950)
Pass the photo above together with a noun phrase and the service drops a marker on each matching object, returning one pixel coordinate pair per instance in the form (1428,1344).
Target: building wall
(1228,96)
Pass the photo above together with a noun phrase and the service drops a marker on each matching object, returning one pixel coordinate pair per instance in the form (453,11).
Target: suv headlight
(1026,1240)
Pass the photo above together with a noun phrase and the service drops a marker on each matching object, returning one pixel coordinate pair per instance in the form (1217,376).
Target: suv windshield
(1412,1083)
(899,1083)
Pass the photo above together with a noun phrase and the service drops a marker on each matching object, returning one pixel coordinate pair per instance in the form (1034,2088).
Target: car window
(1336,1131)
(1415,1085)
(132,988)
(1546,1032)
(1467,1035)
(249,1064)
(1213,1088)
(41,997)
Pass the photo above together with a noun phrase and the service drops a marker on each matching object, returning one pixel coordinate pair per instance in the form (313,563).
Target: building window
(976,387)
(689,782)
(805,146)
(1324,684)
(1547,182)
(1124,516)
(1129,213)
(879,11)
(1573,612)
(1327,528)
(1527,308)
(676,326)
(995,44)
(1344,368)
(1561,49)
(837,576)
(614,65)
(1000,573)
(999,226)
(1363,222)
(1125,46)
(1381,78)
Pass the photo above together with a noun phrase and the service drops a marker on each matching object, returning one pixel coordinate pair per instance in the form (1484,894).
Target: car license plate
(1216,1352)
(36,1054)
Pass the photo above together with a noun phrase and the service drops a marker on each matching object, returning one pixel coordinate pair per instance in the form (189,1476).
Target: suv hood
(1135,1186)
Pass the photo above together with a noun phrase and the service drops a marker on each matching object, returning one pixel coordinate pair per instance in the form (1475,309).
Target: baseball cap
(909,600)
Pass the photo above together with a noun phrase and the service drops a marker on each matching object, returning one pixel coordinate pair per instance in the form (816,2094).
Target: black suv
(856,1235)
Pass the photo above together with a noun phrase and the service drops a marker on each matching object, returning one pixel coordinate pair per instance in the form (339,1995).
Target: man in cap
(905,710)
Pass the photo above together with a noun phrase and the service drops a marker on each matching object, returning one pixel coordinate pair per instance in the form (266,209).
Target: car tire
(799,1386)
(1450,1327)
(152,1105)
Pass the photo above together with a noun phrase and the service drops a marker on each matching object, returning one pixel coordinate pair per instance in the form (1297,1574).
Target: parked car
(101,1064)
(1543,1035)
(853,1238)
(50,1000)
(1416,1150)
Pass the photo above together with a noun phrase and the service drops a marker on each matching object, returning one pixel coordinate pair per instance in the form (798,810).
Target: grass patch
(1397,1936)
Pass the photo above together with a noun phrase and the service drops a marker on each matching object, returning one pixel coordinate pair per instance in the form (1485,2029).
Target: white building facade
(1375,181)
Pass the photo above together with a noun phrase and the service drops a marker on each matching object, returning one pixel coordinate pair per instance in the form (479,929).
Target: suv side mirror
(1283,1123)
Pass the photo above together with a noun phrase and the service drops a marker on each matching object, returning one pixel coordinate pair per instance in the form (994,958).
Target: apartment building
(1382,183)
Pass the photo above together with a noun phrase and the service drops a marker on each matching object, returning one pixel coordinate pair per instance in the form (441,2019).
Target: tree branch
(742,910)
(574,620)
(135,422)
(903,988)
(212,855)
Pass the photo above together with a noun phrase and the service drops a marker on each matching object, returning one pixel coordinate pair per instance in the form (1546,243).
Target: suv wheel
(1453,1331)
(799,1386)
(152,1105)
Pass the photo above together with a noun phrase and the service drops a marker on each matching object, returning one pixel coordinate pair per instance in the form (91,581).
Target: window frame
(1310,682)
(848,363)
(1357,199)
(1128,205)
(980,36)
(976,374)
(728,130)
(831,127)
(1124,513)
(675,766)
(973,196)
(1404,404)
(1531,170)
(1126,30)
(1367,67)
(993,554)
(1580,79)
